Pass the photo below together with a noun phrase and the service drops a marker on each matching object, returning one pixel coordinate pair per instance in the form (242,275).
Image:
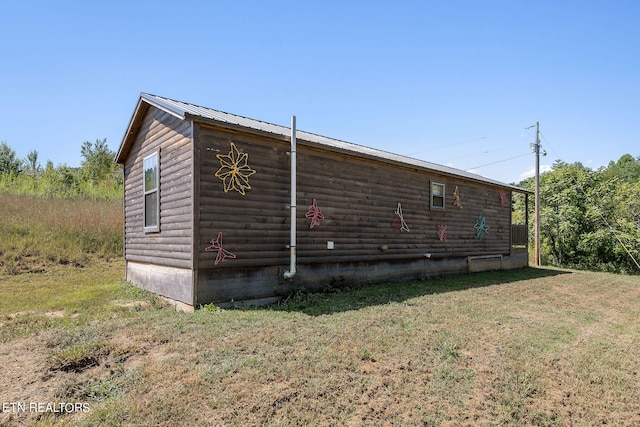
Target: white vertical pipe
(292,244)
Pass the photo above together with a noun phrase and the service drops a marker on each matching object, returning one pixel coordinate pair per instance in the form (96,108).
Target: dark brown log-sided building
(208,208)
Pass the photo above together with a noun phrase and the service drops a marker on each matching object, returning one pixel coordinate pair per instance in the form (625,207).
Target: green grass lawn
(526,347)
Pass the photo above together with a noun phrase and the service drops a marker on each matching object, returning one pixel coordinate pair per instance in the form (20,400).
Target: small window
(151,198)
(437,195)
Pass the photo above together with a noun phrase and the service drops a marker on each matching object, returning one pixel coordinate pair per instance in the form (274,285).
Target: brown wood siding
(172,245)
(358,198)
(254,226)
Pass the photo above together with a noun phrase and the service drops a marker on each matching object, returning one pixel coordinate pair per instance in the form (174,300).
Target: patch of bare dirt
(134,304)
(35,385)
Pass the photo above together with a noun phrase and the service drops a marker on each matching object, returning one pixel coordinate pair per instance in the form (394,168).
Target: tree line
(590,219)
(97,177)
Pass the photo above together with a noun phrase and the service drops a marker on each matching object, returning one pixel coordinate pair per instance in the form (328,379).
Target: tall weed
(61,182)
(38,231)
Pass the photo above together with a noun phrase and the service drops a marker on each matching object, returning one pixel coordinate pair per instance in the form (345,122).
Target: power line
(447,146)
(499,161)
(548,144)
(487,149)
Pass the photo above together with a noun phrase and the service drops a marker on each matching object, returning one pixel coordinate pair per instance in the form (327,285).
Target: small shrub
(211,308)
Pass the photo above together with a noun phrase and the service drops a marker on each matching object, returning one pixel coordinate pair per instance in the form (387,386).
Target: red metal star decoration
(503,198)
(442,233)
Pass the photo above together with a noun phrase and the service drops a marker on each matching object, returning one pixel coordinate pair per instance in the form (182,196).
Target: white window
(437,195)
(151,194)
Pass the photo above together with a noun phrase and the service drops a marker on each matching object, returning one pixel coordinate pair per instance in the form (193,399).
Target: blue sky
(455,83)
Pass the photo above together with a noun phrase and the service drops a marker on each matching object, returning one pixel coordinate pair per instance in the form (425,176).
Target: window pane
(151,173)
(437,195)
(151,209)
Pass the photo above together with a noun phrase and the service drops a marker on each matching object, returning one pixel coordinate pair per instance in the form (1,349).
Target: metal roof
(184,111)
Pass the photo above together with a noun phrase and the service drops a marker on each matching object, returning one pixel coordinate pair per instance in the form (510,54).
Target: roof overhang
(186,111)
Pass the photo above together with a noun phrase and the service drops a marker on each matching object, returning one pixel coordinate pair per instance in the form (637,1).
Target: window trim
(155,228)
(433,195)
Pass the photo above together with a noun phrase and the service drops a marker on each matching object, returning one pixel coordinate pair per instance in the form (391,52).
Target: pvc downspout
(292,244)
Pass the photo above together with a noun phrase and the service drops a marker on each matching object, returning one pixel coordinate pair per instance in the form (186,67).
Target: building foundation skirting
(259,285)
(173,283)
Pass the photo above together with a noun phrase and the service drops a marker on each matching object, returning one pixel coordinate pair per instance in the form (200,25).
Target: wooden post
(537,214)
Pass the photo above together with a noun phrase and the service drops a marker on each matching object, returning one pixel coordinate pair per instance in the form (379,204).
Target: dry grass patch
(39,234)
(530,347)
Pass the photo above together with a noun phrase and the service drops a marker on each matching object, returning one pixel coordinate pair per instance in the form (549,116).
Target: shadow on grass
(345,299)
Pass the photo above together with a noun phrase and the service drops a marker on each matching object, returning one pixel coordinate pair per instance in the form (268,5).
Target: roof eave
(185,111)
(144,101)
(129,134)
(307,139)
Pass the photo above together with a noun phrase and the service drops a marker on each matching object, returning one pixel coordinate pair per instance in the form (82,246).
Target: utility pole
(536,150)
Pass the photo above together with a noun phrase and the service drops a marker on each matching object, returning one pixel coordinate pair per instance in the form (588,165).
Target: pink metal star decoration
(216,246)
(314,214)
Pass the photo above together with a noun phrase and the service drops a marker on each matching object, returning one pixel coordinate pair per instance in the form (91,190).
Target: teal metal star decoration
(482,229)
